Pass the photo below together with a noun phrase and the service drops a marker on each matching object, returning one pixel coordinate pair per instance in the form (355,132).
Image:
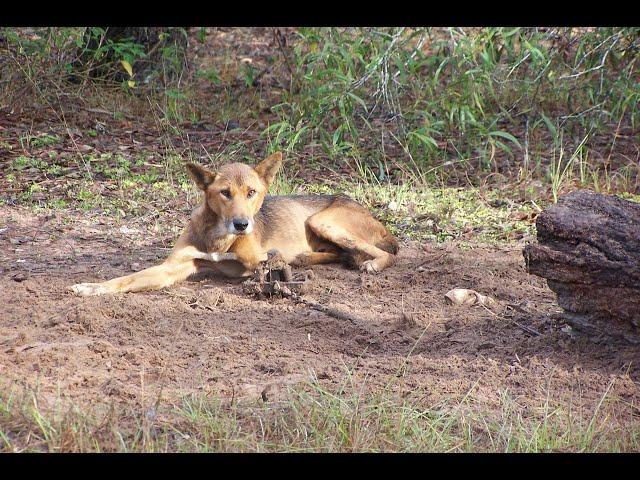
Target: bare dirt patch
(208,337)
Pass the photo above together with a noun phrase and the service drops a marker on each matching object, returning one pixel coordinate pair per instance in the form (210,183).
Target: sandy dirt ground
(208,337)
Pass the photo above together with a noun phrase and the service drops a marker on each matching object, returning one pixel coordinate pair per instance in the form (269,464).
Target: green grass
(440,214)
(419,210)
(132,184)
(411,211)
(311,418)
(39,141)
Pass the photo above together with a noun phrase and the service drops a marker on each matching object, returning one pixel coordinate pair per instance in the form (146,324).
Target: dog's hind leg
(339,228)
(314,258)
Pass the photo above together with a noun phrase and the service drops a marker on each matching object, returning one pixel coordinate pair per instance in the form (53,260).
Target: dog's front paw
(369,266)
(88,289)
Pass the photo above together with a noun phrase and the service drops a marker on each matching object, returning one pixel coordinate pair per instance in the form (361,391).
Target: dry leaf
(525,216)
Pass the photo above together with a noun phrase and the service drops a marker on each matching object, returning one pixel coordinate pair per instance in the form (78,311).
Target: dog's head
(237,191)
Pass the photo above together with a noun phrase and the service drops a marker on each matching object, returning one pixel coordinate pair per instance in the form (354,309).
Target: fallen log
(588,249)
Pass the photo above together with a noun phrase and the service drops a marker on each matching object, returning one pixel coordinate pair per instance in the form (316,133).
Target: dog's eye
(251,193)
(226,193)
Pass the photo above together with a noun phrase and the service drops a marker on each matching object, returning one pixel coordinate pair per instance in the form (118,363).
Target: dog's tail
(389,244)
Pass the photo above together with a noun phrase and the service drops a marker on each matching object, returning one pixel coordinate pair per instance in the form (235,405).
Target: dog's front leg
(215,257)
(249,253)
(176,268)
(152,278)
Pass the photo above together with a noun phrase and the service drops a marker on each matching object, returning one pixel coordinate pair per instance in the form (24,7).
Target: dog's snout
(240,224)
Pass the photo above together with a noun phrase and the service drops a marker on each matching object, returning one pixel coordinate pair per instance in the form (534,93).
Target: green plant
(360,91)
(561,172)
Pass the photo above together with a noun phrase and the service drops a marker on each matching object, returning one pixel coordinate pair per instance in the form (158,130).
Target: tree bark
(589,251)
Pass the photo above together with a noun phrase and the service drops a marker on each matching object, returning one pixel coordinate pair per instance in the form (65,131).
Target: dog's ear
(201,176)
(268,167)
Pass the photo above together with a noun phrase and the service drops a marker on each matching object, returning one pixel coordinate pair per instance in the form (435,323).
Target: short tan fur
(237,223)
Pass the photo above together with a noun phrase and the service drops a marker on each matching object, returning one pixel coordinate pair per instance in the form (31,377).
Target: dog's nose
(240,224)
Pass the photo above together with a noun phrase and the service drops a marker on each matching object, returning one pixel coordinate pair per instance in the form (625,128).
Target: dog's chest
(216,239)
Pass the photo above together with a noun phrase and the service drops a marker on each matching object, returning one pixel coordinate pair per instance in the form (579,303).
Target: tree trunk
(589,251)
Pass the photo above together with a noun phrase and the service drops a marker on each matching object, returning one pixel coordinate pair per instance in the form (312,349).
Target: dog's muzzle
(240,226)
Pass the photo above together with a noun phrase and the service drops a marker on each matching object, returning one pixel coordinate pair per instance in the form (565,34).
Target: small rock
(464,296)
(126,230)
(20,276)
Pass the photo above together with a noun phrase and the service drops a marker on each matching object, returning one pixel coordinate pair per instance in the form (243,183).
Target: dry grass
(312,419)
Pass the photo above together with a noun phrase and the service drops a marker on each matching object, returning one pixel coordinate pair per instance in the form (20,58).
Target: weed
(314,418)
(359,88)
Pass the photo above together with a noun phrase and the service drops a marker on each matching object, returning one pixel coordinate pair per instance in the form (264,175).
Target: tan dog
(237,224)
